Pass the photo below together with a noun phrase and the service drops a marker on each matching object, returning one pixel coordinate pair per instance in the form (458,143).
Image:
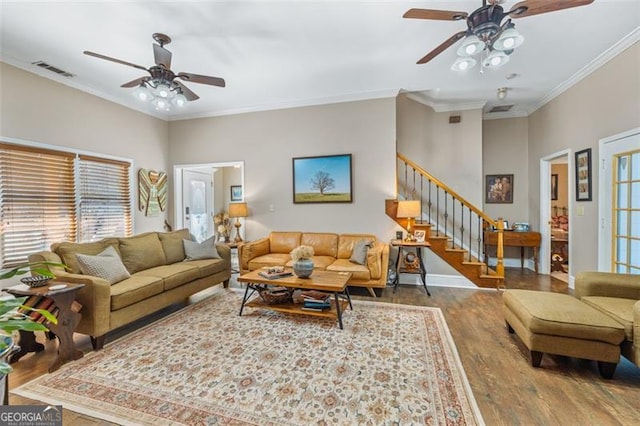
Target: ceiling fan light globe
(508,40)
(161,104)
(470,46)
(180,100)
(142,93)
(495,59)
(463,64)
(163,91)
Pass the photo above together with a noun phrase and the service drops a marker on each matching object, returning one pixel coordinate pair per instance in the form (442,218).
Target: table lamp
(409,209)
(238,210)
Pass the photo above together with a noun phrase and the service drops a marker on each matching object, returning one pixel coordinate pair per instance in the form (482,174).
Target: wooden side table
(515,239)
(68,320)
(234,247)
(418,268)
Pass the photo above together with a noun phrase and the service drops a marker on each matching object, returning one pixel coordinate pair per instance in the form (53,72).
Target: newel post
(500,248)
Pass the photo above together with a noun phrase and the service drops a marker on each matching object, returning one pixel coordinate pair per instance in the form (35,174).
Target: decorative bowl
(35,281)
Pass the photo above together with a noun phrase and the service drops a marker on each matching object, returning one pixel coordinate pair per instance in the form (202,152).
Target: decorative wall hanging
(498,189)
(152,191)
(583,175)
(236,192)
(325,179)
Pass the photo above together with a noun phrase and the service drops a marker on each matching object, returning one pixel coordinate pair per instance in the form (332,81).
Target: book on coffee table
(273,275)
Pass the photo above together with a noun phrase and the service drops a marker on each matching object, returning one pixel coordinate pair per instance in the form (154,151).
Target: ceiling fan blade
(118,61)
(162,56)
(136,82)
(536,7)
(438,50)
(440,15)
(187,92)
(202,79)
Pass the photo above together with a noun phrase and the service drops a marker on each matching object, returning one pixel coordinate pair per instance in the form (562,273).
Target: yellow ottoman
(560,324)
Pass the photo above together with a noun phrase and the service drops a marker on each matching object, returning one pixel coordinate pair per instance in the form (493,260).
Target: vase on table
(303,267)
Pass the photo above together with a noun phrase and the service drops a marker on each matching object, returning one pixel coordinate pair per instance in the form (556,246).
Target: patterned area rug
(392,364)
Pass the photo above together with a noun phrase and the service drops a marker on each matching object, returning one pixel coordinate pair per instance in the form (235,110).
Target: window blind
(37,201)
(104,198)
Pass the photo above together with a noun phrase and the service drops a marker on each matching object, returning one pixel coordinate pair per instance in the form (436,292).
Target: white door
(619,236)
(197,203)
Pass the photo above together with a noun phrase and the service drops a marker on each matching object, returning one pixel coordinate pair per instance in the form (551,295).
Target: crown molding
(298,103)
(509,114)
(622,45)
(445,107)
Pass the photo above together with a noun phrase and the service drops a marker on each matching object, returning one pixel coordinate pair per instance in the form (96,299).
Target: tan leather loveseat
(160,277)
(332,253)
(617,296)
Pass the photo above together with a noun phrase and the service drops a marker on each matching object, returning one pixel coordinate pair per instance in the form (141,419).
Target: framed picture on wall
(583,175)
(236,192)
(498,189)
(325,179)
(554,186)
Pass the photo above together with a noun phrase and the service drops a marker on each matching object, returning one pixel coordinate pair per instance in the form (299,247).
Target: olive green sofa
(160,277)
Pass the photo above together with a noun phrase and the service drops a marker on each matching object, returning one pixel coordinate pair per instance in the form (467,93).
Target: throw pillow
(204,250)
(360,250)
(106,265)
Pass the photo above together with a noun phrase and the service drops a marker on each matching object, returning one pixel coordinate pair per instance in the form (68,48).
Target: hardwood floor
(508,390)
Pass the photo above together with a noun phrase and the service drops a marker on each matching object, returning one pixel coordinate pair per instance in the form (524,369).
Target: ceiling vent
(52,69)
(500,108)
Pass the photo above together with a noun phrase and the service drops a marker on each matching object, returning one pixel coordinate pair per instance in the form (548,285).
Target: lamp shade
(408,209)
(238,210)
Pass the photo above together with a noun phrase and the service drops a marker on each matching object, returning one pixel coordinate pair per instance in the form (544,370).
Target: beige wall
(267,141)
(505,152)
(562,170)
(605,103)
(36,109)
(427,138)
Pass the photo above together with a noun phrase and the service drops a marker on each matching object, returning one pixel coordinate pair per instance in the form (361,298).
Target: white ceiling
(278,54)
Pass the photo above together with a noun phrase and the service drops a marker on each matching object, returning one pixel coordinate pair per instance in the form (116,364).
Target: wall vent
(500,108)
(51,68)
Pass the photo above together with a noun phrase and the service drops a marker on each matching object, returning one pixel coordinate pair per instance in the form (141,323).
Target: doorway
(555,212)
(201,192)
(619,207)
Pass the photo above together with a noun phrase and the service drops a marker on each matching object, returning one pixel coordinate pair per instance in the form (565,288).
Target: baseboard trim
(440,280)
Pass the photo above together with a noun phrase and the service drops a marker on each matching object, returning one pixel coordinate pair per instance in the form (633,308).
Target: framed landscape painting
(325,179)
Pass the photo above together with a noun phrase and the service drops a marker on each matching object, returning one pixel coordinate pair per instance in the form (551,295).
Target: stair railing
(449,213)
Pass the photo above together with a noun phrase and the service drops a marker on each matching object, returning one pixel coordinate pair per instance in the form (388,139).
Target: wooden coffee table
(326,281)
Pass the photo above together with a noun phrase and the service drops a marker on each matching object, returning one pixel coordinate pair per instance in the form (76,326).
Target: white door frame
(545,209)
(604,206)
(177,185)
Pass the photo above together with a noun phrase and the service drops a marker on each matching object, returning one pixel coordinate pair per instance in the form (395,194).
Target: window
(626,213)
(43,200)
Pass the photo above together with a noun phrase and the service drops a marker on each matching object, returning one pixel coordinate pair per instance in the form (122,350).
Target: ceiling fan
(486,30)
(161,86)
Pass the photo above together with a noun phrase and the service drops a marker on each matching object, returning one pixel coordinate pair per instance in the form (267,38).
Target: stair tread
(491,277)
(473,263)
(456,250)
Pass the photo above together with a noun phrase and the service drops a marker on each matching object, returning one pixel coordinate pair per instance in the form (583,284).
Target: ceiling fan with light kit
(161,86)
(489,32)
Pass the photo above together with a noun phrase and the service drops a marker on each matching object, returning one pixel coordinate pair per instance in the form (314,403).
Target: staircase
(454,227)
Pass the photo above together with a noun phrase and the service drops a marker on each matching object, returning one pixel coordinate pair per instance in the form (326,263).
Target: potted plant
(302,261)
(11,319)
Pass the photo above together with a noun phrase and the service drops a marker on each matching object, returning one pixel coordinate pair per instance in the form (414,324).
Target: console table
(515,239)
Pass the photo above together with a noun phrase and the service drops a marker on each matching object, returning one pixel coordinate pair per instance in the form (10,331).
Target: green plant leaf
(20,269)
(21,324)
(5,368)
(9,305)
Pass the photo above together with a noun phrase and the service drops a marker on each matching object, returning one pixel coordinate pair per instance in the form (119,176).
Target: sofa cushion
(142,252)
(360,251)
(204,250)
(173,275)
(284,242)
(207,267)
(323,244)
(172,244)
(360,272)
(272,259)
(618,308)
(106,265)
(347,242)
(133,290)
(67,251)
(319,262)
